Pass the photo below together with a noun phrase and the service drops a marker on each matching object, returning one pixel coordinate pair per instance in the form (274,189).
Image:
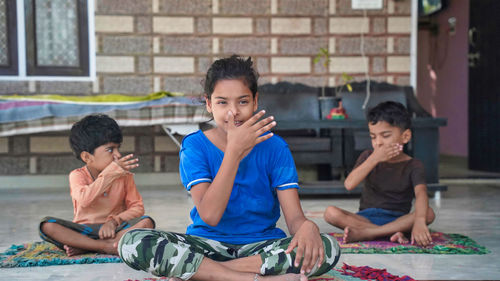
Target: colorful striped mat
(45,254)
(442,243)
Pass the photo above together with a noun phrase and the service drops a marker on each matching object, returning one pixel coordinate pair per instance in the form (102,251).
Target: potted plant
(327,103)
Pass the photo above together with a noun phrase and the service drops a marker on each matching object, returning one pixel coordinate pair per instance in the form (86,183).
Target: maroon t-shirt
(391,186)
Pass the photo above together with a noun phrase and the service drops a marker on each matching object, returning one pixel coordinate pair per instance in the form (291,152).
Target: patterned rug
(442,243)
(344,273)
(45,254)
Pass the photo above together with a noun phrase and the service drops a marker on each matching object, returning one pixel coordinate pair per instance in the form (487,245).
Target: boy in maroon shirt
(392,179)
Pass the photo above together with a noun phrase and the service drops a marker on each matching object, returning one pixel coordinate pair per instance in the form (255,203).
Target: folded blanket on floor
(344,273)
(45,254)
(442,243)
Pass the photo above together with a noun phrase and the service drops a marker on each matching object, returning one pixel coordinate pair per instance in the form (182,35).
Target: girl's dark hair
(391,112)
(234,67)
(93,131)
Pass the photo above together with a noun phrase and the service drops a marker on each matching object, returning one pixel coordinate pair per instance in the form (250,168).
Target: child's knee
(47,228)
(153,251)
(128,244)
(331,246)
(149,223)
(332,254)
(135,239)
(47,220)
(332,214)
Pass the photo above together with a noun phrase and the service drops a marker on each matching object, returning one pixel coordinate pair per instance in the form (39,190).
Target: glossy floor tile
(470,209)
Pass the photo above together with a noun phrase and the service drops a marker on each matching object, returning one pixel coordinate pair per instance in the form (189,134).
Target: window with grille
(40,38)
(8,38)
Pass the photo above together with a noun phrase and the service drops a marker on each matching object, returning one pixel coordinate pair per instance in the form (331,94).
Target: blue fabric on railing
(23,111)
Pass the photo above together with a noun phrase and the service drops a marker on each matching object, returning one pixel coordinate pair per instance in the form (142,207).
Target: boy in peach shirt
(106,202)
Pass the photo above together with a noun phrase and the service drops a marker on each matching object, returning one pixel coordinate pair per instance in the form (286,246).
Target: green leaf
(346,77)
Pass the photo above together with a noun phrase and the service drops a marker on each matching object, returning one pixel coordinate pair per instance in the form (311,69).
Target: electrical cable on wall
(367,75)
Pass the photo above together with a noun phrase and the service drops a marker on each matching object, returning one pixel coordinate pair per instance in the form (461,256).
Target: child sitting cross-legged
(106,203)
(391,180)
(240,175)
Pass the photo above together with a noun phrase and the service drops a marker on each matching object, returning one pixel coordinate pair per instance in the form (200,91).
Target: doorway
(484,85)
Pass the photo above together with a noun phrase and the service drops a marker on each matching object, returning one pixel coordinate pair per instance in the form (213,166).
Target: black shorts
(90,230)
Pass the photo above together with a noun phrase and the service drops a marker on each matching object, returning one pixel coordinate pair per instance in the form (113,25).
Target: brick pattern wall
(151,45)
(50,153)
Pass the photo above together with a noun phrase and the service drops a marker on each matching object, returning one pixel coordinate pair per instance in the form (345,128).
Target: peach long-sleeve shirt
(112,196)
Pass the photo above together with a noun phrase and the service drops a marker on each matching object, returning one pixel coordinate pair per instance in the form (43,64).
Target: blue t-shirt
(253,208)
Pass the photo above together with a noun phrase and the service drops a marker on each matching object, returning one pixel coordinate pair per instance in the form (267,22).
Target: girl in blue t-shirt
(239,175)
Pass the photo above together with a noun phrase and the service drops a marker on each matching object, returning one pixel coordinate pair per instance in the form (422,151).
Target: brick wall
(152,45)
(49,153)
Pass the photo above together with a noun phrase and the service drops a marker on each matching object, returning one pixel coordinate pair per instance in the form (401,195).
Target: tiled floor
(467,208)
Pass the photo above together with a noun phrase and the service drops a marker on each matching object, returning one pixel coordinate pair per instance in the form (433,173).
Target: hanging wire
(363,55)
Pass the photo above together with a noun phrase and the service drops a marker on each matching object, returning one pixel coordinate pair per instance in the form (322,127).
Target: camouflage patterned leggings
(179,255)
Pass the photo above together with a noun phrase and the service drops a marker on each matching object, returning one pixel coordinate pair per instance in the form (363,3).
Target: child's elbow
(213,224)
(349,188)
(349,185)
(210,220)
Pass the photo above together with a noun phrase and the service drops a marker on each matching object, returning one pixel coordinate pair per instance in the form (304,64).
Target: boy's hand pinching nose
(126,162)
(388,151)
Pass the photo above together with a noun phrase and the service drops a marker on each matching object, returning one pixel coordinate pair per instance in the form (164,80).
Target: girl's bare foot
(284,277)
(72,251)
(399,237)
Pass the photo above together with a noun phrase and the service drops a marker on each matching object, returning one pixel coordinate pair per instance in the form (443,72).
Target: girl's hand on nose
(246,136)
(126,162)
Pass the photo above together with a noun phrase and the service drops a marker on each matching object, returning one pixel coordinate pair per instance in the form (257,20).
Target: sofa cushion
(353,102)
(287,101)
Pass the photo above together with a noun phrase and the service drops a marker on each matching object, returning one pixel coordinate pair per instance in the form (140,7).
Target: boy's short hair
(93,131)
(234,67)
(391,112)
